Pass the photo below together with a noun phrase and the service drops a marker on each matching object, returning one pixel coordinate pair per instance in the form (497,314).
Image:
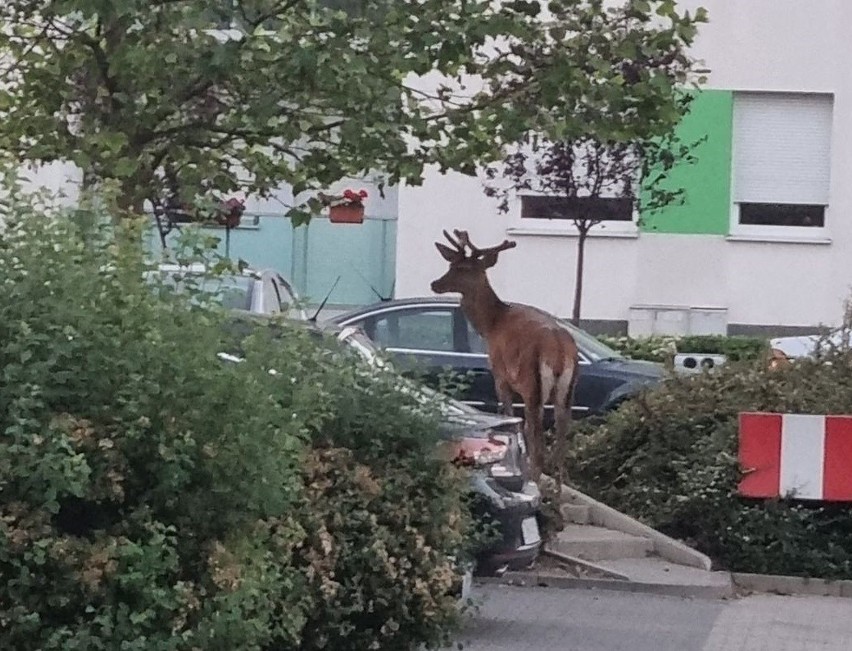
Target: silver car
(256,291)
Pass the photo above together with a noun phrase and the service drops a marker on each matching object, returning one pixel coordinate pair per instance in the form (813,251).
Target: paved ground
(542,619)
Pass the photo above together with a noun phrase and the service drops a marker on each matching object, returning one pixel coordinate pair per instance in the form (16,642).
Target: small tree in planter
(589,181)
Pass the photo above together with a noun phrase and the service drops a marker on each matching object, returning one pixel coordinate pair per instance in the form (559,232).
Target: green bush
(144,485)
(387,518)
(153,497)
(669,459)
(663,348)
(371,537)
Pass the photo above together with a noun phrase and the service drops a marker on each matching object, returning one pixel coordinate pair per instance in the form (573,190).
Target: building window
(781,214)
(574,208)
(781,162)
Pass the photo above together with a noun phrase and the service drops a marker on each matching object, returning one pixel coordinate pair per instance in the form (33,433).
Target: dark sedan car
(431,335)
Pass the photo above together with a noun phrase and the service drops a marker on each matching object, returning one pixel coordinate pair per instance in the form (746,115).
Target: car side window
(421,329)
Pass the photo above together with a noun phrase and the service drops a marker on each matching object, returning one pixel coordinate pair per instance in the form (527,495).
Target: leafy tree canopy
(165,99)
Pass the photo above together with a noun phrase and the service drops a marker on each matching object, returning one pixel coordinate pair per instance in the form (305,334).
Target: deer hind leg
(563,401)
(534,435)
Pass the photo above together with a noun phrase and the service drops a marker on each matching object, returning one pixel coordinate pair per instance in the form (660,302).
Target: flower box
(346,213)
(347,208)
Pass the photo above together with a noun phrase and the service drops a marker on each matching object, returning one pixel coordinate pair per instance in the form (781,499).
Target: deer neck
(482,307)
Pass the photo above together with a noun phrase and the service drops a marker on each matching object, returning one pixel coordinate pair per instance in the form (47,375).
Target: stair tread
(592,533)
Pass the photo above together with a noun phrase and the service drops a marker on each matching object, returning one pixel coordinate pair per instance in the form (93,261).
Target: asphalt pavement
(549,619)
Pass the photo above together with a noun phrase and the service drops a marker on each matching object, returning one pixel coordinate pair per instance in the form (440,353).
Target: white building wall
(765,45)
(61,179)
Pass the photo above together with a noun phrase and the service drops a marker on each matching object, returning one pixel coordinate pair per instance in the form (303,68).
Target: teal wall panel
(312,257)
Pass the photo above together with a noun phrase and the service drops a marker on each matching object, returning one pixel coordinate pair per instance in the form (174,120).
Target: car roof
(325,327)
(396,302)
(198,268)
(415,301)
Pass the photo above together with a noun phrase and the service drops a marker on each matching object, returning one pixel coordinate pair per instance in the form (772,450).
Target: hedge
(669,459)
(155,498)
(663,348)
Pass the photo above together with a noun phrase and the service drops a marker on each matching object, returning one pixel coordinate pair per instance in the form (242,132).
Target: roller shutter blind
(782,148)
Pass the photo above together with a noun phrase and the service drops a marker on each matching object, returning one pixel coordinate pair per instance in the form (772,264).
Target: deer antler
(506,244)
(458,246)
(476,252)
(464,241)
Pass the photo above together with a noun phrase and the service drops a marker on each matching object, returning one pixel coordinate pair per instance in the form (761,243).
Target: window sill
(559,232)
(780,239)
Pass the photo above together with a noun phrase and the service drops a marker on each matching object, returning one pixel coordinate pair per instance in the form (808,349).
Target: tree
(605,165)
(589,182)
(157,97)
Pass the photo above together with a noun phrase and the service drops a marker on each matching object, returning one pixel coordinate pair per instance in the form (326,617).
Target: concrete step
(597,543)
(576,513)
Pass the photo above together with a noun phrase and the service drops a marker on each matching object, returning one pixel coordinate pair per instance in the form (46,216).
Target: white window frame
(756,232)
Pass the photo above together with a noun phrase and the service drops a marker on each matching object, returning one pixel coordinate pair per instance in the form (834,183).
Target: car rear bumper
(514,513)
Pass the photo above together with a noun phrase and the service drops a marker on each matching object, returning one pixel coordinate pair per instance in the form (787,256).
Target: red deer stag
(530,353)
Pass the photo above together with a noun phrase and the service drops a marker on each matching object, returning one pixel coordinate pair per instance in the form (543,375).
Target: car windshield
(230,291)
(592,348)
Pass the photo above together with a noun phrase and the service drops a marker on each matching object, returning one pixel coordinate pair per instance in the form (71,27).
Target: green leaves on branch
(307,92)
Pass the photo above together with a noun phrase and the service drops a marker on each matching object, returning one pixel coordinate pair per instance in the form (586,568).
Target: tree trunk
(578,279)
(161,229)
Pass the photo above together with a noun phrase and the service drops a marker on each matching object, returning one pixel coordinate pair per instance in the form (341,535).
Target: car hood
(640,370)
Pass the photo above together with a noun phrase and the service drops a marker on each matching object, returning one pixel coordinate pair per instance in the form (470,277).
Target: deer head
(467,272)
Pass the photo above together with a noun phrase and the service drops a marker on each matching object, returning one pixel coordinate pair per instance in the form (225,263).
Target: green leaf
(125,167)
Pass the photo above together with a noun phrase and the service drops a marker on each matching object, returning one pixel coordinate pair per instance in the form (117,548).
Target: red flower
(230,212)
(353,197)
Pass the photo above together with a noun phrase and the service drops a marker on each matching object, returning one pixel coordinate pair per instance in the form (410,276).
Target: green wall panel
(707,182)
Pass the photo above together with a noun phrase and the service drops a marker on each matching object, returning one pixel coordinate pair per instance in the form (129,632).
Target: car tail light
(479,452)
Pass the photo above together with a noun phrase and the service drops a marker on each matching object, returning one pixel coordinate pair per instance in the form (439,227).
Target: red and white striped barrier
(795,455)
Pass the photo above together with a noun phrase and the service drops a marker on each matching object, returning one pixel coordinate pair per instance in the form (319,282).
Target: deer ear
(488,260)
(446,252)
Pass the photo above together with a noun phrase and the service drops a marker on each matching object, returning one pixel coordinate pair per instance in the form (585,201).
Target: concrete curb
(740,582)
(668,548)
(792,585)
(540,580)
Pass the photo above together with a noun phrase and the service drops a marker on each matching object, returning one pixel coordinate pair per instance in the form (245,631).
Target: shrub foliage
(669,459)
(153,497)
(663,348)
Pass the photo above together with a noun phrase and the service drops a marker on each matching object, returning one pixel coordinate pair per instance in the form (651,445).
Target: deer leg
(504,395)
(562,404)
(533,432)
